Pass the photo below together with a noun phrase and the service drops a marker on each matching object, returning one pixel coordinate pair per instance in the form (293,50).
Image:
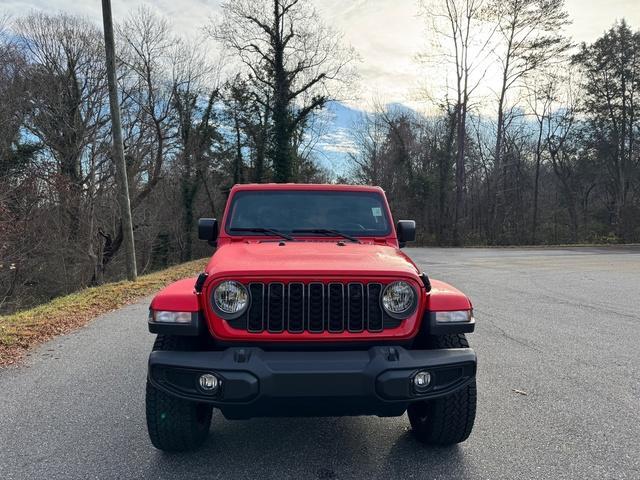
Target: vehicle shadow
(311,448)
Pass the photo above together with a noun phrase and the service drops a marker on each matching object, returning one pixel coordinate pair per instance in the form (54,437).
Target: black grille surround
(314,307)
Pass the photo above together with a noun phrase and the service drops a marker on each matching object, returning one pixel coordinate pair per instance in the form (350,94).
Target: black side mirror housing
(406,231)
(208,230)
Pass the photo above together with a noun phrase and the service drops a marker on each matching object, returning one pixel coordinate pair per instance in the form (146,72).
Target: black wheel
(446,420)
(176,425)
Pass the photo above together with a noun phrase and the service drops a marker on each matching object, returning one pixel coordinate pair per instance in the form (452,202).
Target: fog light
(209,383)
(421,381)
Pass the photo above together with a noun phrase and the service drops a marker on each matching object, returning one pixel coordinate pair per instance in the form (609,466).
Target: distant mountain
(343,115)
(399,108)
(335,123)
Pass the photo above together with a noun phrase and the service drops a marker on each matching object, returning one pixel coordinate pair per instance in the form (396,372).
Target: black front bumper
(256,383)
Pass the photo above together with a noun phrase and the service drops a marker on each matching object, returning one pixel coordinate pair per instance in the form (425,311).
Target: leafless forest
(530,139)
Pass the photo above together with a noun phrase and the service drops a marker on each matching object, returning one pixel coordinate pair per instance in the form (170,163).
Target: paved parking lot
(559,390)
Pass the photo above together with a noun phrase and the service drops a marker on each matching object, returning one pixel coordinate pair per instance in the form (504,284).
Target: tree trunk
(536,184)
(444,162)
(109,249)
(187,228)
(499,176)
(281,121)
(189,191)
(261,146)
(460,171)
(573,217)
(237,164)
(498,167)
(72,194)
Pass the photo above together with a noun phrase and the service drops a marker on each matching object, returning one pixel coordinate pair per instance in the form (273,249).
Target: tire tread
(446,420)
(174,424)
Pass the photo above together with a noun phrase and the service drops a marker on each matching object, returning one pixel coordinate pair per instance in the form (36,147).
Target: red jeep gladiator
(308,307)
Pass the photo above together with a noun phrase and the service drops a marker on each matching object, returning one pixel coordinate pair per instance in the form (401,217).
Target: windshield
(352,213)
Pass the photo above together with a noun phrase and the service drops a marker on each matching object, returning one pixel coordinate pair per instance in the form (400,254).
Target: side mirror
(208,230)
(406,231)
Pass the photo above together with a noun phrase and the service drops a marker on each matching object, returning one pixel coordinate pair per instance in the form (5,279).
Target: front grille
(315,308)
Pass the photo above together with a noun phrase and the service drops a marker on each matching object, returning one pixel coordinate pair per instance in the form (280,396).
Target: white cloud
(591,18)
(187,16)
(387,33)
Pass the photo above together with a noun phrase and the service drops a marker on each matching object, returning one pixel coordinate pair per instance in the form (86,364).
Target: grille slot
(255,320)
(295,312)
(356,307)
(315,308)
(275,308)
(374,312)
(336,307)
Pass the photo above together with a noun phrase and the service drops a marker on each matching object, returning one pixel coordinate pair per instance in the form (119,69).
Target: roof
(305,186)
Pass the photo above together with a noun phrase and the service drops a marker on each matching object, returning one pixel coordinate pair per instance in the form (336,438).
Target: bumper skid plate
(255,382)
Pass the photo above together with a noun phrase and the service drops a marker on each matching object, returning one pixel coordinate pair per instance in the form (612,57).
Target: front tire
(446,420)
(175,425)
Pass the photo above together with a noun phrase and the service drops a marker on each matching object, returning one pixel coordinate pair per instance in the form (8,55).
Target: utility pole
(118,147)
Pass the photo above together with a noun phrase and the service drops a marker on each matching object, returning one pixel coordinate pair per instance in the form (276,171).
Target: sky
(387,34)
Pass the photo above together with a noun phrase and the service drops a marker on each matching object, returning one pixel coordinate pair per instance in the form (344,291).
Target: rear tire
(176,425)
(446,420)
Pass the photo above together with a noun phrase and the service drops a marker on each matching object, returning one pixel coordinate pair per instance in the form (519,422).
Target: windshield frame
(372,193)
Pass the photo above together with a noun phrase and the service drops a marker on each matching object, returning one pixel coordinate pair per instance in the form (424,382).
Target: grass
(24,330)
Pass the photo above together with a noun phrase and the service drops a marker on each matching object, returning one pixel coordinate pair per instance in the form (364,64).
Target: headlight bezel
(404,314)
(223,313)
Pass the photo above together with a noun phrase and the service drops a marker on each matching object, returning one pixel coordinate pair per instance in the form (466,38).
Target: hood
(314,258)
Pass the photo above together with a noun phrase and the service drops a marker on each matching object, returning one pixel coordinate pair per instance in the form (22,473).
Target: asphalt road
(561,325)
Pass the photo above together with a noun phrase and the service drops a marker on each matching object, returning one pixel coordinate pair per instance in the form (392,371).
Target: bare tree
(68,93)
(15,159)
(248,109)
(541,98)
(148,79)
(199,137)
(12,85)
(368,135)
(463,41)
(530,34)
(288,51)
(563,150)
(146,82)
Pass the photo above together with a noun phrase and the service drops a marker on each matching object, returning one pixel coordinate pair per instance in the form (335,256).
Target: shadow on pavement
(311,448)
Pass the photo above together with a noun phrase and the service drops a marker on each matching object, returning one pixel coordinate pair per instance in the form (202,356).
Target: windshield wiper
(326,231)
(268,231)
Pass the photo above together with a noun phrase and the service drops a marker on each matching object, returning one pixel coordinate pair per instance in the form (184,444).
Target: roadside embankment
(22,331)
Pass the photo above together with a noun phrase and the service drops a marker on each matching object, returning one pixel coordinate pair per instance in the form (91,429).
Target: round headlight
(230,299)
(399,299)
